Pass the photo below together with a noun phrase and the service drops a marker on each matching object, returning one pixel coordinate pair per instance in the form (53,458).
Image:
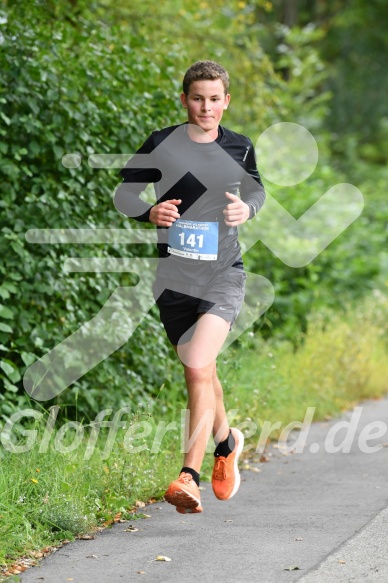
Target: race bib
(193,239)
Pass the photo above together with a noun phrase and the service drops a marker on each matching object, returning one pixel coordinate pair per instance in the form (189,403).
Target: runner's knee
(198,374)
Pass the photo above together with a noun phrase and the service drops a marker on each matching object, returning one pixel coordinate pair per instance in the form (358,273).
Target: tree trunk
(290,13)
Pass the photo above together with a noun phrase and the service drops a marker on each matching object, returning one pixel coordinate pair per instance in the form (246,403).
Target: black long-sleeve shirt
(199,174)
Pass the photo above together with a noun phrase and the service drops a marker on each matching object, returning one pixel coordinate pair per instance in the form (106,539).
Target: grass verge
(341,360)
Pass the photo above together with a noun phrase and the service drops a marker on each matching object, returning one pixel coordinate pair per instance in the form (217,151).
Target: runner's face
(205,104)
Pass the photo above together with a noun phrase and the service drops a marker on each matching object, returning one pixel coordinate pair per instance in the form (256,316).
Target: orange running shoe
(184,494)
(226,477)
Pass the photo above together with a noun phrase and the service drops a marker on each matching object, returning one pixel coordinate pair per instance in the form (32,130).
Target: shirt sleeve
(252,190)
(137,174)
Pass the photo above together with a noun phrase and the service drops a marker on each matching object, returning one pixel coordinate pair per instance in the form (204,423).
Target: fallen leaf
(342,562)
(141,572)
(162,558)
(131,529)
(47,549)
(264,458)
(293,568)
(139,504)
(86,537)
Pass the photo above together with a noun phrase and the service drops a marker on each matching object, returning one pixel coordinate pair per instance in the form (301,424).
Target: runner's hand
(236,212)
(165,213)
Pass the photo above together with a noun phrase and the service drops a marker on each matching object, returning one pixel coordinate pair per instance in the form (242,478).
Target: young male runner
(198,168)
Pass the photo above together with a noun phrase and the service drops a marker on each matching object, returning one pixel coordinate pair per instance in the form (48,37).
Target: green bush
(70,83)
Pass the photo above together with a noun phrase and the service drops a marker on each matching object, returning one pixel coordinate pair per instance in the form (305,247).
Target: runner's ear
(183,100)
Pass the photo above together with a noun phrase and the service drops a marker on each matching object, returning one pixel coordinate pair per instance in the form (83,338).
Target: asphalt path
(317,516)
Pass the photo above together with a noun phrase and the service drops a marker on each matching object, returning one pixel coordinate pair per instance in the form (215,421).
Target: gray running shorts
(180,307)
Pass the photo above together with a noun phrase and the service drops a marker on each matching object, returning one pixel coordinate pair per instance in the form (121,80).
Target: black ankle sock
(225,447)
(193,473)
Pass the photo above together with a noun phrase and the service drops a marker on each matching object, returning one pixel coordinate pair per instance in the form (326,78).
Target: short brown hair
(205,71)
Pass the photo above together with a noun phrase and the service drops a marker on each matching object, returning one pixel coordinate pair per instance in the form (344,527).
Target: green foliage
(304,74)
(357,46)
(339,361)
(227,33)
(348,269)
(71,85)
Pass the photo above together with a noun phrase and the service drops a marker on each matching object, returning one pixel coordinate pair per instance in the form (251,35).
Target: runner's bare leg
(205,397)
(220,426)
